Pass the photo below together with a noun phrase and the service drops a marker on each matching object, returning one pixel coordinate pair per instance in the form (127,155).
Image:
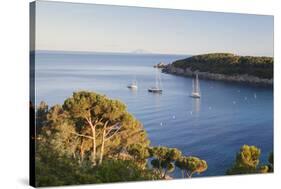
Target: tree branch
(86,136)
(111,128)
(115,132)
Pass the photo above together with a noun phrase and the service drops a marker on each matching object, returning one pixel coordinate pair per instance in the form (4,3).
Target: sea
(214,127)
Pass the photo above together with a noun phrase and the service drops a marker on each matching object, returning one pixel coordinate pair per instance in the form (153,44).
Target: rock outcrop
(245,78)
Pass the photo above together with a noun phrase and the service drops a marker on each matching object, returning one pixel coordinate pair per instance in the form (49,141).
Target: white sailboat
(157,88)
(195,88)
(133,85)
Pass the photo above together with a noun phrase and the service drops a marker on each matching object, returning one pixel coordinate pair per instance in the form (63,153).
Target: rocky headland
(225,67)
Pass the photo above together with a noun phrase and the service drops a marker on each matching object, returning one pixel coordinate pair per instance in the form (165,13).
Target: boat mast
(197,84)
(159,80)
(193,86)
(135,80)
(156,83)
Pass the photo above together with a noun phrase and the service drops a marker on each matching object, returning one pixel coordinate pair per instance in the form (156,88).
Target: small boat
(195,88)
(157,88)
(133,85)
(154,90)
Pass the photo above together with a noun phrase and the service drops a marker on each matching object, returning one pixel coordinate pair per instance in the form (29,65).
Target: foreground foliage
(247,162)
(163,159)
(90,126)
(84,131)
(191,165)
(56,171)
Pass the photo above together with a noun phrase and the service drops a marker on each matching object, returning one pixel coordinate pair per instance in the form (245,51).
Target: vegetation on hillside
(229,64)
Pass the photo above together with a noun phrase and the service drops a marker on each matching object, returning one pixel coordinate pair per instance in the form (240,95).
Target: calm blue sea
(214,127)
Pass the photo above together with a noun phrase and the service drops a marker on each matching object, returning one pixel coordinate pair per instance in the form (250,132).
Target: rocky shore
(160,65)
(245,78)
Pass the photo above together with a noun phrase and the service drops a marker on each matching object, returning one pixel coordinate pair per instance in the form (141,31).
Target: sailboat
(195,88)
(157,88)
(133,85)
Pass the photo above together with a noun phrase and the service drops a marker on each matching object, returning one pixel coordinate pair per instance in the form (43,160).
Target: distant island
(226,67)
(140,51)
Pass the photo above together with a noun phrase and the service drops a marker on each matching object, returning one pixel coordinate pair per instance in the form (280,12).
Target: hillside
(225,67)
(229,64)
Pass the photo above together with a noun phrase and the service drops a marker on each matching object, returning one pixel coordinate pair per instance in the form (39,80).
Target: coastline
(245,78)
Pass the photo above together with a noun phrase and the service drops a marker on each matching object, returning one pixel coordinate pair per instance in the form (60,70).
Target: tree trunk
(102,145)
(165,172)
(94,145)
(93,128)
(160,168)
(105,137)
(186,174)
(82,152)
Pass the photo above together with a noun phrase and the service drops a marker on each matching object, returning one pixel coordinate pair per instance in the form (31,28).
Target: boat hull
(155,90)
(195,95)
(132,87)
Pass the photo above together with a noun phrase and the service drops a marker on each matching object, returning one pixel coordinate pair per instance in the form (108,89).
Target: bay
(213,128)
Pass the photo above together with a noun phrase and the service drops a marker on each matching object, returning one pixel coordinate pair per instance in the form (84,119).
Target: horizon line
(143,53)
(113,52)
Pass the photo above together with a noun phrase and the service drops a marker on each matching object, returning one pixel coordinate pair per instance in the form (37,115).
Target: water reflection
(133,91)
(157,101)
(195,113)
(196,106)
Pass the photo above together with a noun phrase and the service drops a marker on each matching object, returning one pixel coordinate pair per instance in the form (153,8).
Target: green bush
(57,171)
(247,162)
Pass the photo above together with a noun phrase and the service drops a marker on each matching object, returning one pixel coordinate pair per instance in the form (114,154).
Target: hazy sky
(88,27)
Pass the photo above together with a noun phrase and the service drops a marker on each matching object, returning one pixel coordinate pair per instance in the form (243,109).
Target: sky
(104,28)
